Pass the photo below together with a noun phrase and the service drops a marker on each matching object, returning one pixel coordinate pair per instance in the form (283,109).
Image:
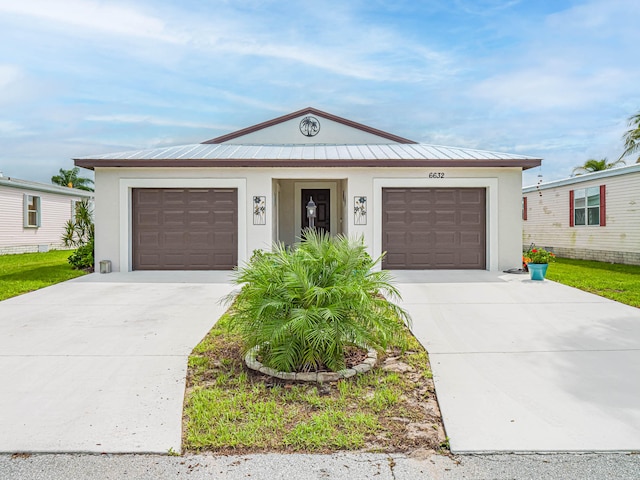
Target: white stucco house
(210,205)
(590,217)
(33,215)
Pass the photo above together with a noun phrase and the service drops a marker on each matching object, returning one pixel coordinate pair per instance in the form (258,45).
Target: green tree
(303,306)
(72,179)
(593,165)
(79,233)
(632,137)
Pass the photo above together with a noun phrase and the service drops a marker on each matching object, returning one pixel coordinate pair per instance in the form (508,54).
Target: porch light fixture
(311,212)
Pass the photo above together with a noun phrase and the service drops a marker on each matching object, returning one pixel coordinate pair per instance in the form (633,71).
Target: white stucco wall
(113,204)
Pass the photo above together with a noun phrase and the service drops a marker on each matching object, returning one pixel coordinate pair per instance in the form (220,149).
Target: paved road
(311,467)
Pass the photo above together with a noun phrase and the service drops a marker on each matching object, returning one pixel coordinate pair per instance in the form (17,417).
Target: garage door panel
(427,228)
(185,229)
(149,197)
(420,258)
(149,238)
(395,196)
(150,260)
(469,258)
(471,239)
(148,218)
(417,239)
(199,240)
(471,218)
(174,197)
(472,196)
(444,239)
(199,218)
(175,218)
(395,259)
(445,218)
(173,240)
(444,197)
(418,197)
(420,217)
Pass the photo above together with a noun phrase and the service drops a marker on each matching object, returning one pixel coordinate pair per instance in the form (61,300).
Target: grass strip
(610,280)
(27,272)
(229,409)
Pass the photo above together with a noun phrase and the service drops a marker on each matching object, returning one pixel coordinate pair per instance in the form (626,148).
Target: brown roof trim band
(304,111)
(297,163)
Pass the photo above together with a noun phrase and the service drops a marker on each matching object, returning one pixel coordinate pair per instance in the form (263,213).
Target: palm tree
(632,137)
(593,165)
(71,179)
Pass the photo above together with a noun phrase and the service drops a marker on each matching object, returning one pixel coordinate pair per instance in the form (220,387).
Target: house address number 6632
(436,174)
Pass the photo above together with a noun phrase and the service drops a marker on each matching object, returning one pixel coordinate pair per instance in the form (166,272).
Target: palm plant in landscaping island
(302,307)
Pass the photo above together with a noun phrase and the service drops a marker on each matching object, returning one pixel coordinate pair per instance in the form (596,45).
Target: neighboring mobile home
(591,217)
(210,205)
(33,215)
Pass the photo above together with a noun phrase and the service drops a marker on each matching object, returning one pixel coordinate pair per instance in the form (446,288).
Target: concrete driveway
(97,364)
(527,366)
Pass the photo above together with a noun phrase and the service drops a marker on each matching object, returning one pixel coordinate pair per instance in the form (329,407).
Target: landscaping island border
(318,377)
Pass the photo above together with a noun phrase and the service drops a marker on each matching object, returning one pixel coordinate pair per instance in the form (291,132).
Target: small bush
(303,306)
(82,258)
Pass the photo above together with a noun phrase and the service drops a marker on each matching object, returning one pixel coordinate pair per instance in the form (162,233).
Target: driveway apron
(98,363)
(527,366)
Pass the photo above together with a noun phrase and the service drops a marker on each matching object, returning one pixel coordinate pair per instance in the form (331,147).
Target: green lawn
(30,271)
(614,281)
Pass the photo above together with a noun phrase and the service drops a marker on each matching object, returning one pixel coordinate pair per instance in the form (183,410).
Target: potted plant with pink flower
(537,260)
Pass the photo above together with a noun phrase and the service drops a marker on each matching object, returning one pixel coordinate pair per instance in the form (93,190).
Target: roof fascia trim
(525,164)
(304,111)
(612,172)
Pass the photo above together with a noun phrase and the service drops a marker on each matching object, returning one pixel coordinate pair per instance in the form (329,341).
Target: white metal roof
(394,151)
(612,172)
(44,187)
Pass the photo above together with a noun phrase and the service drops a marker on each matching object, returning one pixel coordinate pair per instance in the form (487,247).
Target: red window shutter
(524,208)
(603,206)
(571,206)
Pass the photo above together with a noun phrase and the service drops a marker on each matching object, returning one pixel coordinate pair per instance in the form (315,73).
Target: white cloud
(8,75)
(547,87)
(151,120)
(104,17)
(13,129)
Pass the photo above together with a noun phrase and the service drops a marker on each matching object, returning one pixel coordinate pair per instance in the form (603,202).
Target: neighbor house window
(587,206)
(524,208)
(31,211)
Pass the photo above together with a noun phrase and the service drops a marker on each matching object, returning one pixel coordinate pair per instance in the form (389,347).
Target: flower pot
(537,270)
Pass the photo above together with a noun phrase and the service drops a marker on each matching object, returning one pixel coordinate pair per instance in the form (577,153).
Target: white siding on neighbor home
(55,210)
(548,216)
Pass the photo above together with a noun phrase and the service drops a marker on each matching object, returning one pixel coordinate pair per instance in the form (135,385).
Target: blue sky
(550,78)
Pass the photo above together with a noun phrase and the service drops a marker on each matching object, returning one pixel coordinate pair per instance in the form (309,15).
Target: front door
(321,199)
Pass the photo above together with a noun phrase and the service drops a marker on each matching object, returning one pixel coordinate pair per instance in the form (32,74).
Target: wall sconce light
(311,212)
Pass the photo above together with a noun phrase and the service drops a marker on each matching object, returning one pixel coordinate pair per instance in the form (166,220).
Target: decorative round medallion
(309,126)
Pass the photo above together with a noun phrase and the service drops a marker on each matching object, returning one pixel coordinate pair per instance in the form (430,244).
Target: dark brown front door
(434,228)
(321,199)
(184,228)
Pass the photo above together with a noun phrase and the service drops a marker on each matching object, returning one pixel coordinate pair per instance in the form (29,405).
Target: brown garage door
(433,228)
(185,229)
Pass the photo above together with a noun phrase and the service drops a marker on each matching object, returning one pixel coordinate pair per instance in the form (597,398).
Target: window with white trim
(32,212)
(586,206)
